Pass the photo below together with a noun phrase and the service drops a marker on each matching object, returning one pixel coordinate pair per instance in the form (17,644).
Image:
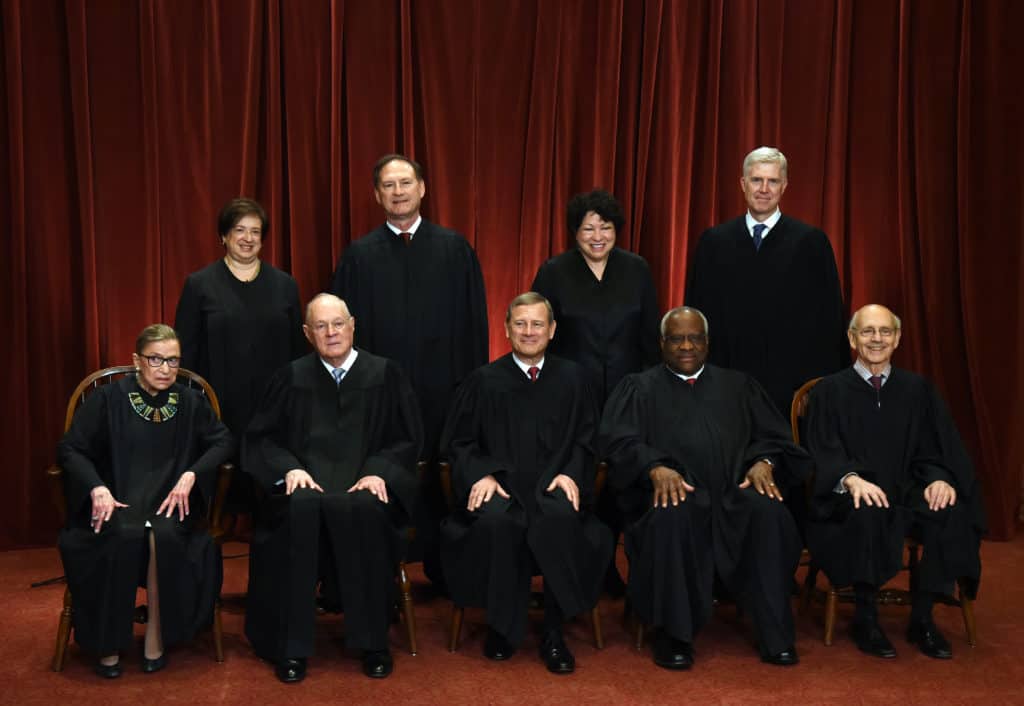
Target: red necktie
(876,381)
(407,237)
(692,381)
(533,371)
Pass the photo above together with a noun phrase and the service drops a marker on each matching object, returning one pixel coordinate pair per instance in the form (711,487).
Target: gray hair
(682,310)
(897,324)
(153,334)
(529,299)
(766,155)
(318,297)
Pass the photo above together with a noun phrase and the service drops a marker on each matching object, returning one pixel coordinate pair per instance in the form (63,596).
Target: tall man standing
(890,464)
(764,267)
(418,294)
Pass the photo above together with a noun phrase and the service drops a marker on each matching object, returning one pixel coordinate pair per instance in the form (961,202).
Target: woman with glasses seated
(240,320)
(139,466)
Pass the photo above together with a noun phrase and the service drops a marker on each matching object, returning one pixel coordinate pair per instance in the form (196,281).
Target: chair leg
(407,607)
(456,628)
(639,642)
(967,608)
(63,634)
(810,583)
(830,613)
(595,621)
(218,632)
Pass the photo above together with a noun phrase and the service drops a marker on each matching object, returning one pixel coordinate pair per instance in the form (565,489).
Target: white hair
(766,155)
(683,310)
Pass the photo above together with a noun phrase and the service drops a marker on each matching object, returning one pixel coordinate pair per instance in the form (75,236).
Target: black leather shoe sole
(557,658)
(112,671)
(871,640)
(672,655)
(377,664)
(291,671)
(786,658)
(154,665)
(930,641)
(497,648)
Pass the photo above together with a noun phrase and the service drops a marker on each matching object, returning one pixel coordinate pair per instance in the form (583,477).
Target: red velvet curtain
(128,124)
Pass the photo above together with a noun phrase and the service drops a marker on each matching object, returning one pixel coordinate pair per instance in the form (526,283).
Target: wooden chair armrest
(224,473)
(444,470)
(600,478)
(55,474)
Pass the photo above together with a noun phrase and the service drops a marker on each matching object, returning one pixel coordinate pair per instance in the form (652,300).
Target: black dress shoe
(871,640)
(787,658)
(291,670)
(929,640)
(154,665)
(496,647)
(112,671)
(556,655)
(671,653)
(377,664)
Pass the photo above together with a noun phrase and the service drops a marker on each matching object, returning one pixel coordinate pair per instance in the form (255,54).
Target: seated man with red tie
(890,464)
(701,459)
(519,437)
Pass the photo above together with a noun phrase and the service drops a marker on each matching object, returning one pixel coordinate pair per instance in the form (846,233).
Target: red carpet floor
(727,670)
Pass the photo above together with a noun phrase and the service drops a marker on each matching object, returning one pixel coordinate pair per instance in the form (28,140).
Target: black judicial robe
(609,326)
(422,305)
(140,462)
(711,433)
(776,313)
(524,434)
(237,334)
(367,425)
(901,438)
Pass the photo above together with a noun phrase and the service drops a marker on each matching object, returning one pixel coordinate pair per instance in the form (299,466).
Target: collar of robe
(151,413)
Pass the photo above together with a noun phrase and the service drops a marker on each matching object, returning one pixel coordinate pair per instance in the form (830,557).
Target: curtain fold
(127,125)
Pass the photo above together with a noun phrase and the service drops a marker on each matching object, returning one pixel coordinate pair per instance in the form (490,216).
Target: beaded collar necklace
(153,414)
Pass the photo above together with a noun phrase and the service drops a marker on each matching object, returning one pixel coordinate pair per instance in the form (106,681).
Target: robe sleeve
(477,296)
(621,439)
(771,437)
(832,461)
(650,321)
(463,431)
(265,455)
(85,446)
(956,459)
(188,323)
(396,457)
(214,440)
(299,345)
(831,316)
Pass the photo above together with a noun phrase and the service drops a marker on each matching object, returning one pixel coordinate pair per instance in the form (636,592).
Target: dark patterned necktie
(759,229)
(406,237)
(533,371)
(876,381)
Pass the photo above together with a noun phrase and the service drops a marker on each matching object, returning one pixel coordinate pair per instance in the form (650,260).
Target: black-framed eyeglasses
(155,361)
(695,339)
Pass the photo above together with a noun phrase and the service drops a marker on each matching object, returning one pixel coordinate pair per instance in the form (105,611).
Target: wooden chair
(55,474)
(886,596)
(458,611)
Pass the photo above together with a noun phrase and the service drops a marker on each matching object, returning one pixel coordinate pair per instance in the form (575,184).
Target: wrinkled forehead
(530,312)
(684,323)
(167,349)
(768,170)
(397,169)
(875,317)
(327,309)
